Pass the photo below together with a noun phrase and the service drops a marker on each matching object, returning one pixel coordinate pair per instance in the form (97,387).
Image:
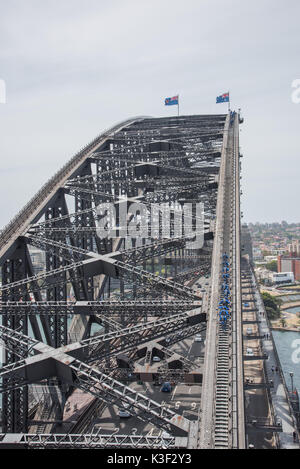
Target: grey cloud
(74,67)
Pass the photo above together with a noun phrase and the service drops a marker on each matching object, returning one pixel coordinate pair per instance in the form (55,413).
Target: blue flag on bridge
(223,98)
(172,101)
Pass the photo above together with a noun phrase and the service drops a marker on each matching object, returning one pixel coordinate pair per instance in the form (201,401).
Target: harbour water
(286,298)
(295,309)
(284,341)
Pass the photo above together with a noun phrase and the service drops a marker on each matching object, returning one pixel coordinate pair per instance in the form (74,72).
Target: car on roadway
(156,358)
(123,413)
(246,305)
(249,330)
(198,338)
(249,352)
(278,421)
(166,387)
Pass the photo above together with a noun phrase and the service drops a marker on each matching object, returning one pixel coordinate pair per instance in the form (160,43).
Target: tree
(271,313)
(272,266)
(272,305)
(283,322)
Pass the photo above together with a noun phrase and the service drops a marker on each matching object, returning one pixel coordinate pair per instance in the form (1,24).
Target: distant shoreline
(285,329)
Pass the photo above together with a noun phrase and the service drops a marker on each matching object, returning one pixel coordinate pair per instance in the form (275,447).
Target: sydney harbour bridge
(139,236)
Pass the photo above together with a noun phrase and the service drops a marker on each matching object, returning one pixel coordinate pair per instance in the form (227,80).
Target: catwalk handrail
(41,195)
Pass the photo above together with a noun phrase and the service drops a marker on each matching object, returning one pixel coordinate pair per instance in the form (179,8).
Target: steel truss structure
(90,441)
(139,289)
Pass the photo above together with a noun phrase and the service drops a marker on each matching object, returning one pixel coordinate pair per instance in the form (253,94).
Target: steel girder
(21,343)
(113,392)
(122,340)
(188,274)
(111,343)
(129,308)
(89,441)
(167,353)
(136,254)
(15,401)
(167,287)
(79,374)
(134,180)
(118,269)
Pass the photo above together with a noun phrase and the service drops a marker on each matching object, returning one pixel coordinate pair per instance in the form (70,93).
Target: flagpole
(178,106)
(228,101)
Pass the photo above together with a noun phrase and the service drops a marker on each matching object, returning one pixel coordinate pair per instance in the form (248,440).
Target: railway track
(84,421)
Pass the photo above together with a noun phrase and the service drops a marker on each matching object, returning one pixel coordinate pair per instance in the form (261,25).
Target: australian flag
(171,101)
(224,98)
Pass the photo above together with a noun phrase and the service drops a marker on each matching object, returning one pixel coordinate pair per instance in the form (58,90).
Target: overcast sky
(74,67)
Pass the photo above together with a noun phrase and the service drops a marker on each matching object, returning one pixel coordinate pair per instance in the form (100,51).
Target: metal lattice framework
(60,276)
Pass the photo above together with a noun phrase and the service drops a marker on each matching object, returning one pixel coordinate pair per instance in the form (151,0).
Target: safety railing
(280,370)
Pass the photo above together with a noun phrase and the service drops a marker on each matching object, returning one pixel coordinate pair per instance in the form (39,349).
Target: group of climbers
(225,300)
(232,116)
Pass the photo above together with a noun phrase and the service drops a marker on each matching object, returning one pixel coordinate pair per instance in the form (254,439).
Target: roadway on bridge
(256,400)
(278,394)
(184,399)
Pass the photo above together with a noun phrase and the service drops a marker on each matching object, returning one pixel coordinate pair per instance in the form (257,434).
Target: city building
(289,263)
(257,254)
(38,259)
(282,277)
(294,247)
(270,278)
(247,242)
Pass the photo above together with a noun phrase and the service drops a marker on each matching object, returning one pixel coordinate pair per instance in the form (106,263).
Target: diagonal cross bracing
(83,376)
